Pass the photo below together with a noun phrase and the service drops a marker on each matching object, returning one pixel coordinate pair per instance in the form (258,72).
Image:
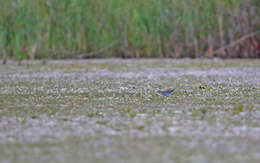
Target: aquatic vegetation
(108,110)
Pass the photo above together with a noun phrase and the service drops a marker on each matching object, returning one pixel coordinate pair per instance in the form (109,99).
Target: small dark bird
(167,93)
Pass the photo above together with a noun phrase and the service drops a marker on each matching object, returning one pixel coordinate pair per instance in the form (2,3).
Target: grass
(108,110)
(146,28)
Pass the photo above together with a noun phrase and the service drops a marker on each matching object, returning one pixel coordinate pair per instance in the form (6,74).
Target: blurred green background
(58,29)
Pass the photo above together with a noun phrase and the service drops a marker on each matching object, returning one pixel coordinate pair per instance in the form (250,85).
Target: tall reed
(138,28)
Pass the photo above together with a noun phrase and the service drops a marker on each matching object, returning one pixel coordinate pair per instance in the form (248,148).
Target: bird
(167,93)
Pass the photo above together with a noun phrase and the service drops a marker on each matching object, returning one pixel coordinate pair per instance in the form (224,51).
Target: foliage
(144,28)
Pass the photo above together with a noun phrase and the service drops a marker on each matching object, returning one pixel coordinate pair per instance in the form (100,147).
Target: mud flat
(109,111)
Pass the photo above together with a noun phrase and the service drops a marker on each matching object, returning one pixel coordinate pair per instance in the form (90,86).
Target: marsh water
(109,110)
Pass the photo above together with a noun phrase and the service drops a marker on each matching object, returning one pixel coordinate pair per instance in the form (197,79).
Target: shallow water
(109,110)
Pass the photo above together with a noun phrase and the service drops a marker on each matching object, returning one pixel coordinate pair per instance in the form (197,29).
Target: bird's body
(167,93)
